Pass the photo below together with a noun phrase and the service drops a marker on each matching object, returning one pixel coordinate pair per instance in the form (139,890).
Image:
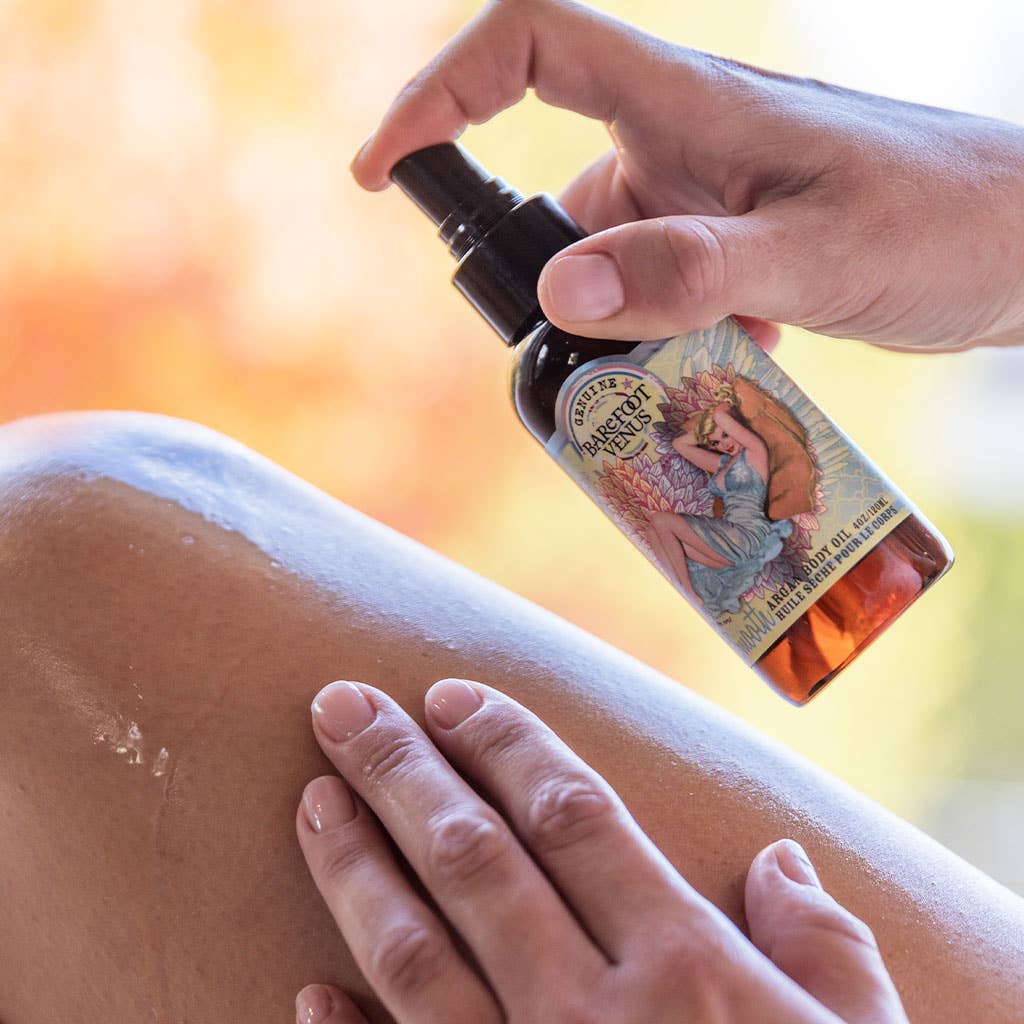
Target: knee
(49,464)
(134,600)
(96,501)
(78,471)
(125,549)
(156,666)
(143,549)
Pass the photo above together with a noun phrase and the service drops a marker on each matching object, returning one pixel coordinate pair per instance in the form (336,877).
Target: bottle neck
(500,239)
(500,267)
(463,228)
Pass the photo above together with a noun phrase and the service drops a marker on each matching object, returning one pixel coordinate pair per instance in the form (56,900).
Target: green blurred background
(179,234)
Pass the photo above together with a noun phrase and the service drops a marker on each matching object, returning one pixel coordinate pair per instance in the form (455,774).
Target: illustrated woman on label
(716,559)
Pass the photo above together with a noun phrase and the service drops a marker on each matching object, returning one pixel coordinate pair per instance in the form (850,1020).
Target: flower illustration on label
(726,475)
(609,411)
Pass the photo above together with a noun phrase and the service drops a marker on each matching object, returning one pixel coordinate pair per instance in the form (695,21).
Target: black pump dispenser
(500,239)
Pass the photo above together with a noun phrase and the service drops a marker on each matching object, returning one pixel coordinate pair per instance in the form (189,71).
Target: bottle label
(726,475)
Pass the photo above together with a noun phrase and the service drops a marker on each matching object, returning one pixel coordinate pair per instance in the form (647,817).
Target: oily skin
(195,878)
(569,911)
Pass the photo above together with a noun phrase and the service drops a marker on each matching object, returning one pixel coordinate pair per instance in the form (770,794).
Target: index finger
(572,56)
(462,850)
(617,882)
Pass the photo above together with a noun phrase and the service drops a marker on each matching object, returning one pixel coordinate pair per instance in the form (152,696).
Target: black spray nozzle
(441,179)
(455,192)
(500,239)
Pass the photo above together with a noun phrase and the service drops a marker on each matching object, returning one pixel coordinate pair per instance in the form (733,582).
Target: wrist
(999,173)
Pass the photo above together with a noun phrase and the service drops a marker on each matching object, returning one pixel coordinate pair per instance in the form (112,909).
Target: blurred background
(179,234)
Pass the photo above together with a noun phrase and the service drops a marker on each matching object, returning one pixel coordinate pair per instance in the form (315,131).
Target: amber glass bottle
(771,563)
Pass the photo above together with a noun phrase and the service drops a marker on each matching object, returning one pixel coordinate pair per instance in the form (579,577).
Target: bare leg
(666,534)
(171,605)
(670,553)
(696,548)
(668,566)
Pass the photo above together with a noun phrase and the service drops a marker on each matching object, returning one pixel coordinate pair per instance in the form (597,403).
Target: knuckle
(827,920)
(408,958)
(568,810)
(390,758)
(499,736)
(692,948)
(339,859)
(699,257)
(697,961)
(465,847)
(690,958)
(586,998)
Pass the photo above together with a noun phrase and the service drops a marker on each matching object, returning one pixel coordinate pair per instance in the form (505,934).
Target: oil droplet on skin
(160,763)
(123,736)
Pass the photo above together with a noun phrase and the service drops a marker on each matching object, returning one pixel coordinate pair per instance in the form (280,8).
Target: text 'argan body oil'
(753,504)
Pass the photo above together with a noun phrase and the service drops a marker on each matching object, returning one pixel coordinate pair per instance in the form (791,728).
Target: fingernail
(452,701)
(328,804)
(794,863)
(341,711)
(313,1005)
(584,287)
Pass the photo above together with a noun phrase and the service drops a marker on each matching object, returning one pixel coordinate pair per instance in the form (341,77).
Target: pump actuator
(500,239)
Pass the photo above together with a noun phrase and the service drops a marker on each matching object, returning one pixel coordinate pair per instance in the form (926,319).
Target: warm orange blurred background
(179,234)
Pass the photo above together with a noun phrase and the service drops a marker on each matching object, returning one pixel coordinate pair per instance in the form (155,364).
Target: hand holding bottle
(774,191)
(735,190)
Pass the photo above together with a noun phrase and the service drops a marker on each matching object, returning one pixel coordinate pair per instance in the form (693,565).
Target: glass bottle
(771,563)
